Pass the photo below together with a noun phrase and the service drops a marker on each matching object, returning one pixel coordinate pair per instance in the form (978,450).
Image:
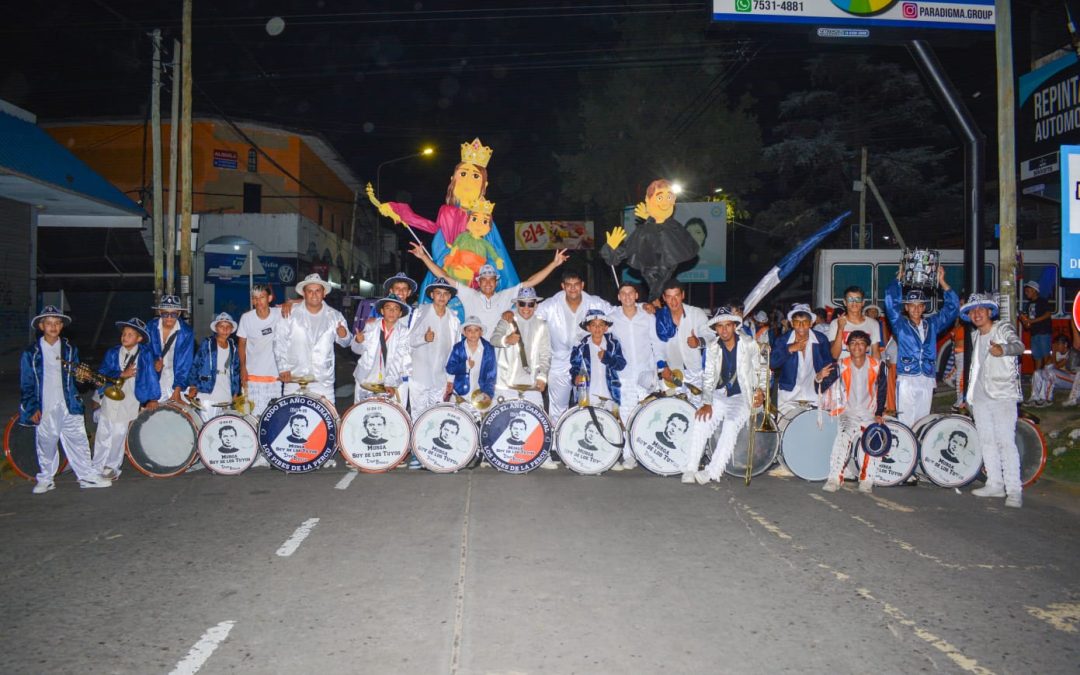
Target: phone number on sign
(773,5)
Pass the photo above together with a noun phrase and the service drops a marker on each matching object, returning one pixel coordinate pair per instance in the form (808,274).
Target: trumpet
(85,374)
(764,374)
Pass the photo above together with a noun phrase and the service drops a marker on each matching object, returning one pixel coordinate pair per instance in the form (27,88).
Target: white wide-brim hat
(224,316)
(312,279)
(979,300)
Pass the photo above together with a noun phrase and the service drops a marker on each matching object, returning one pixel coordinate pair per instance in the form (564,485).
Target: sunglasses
(855,299)
(170,315)
(530,303)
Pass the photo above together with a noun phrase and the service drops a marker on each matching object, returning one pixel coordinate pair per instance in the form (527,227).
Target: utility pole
(1006,120)
(185,162)
(174,129)
(862,202)
(155,131)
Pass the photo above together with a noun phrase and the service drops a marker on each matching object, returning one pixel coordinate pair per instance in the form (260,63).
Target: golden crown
(483,207)
(475,153)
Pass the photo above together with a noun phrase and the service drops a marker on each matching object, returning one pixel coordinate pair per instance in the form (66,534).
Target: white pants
(732,412)
(109,444)
(511,395)
(849,429)
(1074,393)
(56,425)
(423,396)
(631,397)
(996,423)
(558,388)
(1048,378)
(914,394)
(261,393)
(324,390)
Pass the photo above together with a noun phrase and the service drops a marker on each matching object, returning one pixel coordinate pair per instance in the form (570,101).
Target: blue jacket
(915,357)
(788,362)
(183,349)
(31,374)
(458,366)
(204,370)
(580,360)
(147,387)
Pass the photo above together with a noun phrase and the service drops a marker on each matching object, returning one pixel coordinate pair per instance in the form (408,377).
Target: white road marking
(203,649)
(1063,616)
(766,524)
(113,536)
(459,588)
(345,480)
(297,538)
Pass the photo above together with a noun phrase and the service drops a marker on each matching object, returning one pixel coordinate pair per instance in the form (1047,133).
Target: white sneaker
(330,464)
(618,467)
(42,488)
(110,474)
(1070,404)
(831,485)
(95,482)
(549,463)
(989,491)
(866,486)
(688,479)
(630,465)
(702,477)
(1014,501)
(260,460)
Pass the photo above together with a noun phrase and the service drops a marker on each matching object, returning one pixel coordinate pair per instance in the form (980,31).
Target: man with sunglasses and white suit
(523,348)
(172,344)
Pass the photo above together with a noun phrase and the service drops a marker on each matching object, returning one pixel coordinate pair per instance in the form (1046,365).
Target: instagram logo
(911,10)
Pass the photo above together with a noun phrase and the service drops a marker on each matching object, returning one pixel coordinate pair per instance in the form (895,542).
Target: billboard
(1047,117)
(1070,211)
(547,235)
(856,18)
(707,223)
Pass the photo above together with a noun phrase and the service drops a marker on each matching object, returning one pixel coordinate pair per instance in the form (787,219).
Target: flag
(788,263)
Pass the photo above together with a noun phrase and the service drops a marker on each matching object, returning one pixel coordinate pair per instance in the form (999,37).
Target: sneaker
(110,474)
(618,467)
(702,477)
(414,464)
(1070,404)
(330,464)
(43,487)
(260,460)
(831,485)
(629,465)
(989,491)
(1014,501)
(688,479)
(866,486)
(549,463)
(94,482)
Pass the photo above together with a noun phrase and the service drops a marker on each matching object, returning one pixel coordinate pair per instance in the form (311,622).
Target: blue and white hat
(405,309)
(487,270)
(169,303)
(527,293)
(593,315)
(800,308)
(979,300)
(400,276)
(50,310)
(224,316)
(724,313)
(472,320)
(138,324)
(915,295)
(439,283)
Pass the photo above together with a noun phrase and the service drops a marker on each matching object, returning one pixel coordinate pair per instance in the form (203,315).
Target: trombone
(767,424)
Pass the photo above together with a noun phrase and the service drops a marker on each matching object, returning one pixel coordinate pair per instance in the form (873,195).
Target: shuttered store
(14,281)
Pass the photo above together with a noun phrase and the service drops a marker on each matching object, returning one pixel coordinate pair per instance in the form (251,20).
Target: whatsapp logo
(743,5)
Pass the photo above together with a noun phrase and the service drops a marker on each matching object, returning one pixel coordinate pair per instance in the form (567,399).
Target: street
(480,572)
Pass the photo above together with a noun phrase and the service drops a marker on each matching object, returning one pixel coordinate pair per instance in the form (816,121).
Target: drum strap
(169,343)
(130,358)
(600,428)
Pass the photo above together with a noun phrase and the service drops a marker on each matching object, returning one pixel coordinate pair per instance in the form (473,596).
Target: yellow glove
(615,237)
(385,210)
(641,212)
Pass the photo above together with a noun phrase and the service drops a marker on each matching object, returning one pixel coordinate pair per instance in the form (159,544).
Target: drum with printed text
(589,440)
(162,442)
(516,436)
(375,434)
(20,448)
(659,434)
(897,465)
(445,438)
(949,452)
(298,433)
(229,443)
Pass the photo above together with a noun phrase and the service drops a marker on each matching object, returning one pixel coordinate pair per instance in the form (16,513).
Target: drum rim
(309,466)
(206,425)
(194,449)
(546,454)
(1045,451)
(12,423)
(630,436)
(412,439)
(938,417)
(339,443)
(565,416)
(775,457)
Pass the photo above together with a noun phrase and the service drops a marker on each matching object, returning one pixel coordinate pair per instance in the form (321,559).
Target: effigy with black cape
(658,244)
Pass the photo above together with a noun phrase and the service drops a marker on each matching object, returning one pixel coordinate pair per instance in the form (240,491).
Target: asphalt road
(481,572)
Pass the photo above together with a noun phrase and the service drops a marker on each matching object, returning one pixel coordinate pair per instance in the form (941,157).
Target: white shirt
(870,326)
(429,358)
(597,375)
(165,377)
(52,388)
(474,373)
(488,310)
(222,388)
(636,335)
(804,377)
(304,345)
(980,345)
(859,398)
(564,325)
(127,409)
(678,354)
(259,346)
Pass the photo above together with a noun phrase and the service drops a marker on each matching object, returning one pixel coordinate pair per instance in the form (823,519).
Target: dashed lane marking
(297,538)
(1063,616)
(202,650)
(349,477)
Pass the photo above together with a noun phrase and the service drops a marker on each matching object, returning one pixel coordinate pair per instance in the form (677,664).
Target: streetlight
(427,151)
(677,188)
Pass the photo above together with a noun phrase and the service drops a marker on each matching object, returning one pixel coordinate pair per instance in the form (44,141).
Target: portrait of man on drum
(674,431)
(448,435)
(298,429)
(958,442)
(518,427)
(375,428)
(227,435)
(589,442)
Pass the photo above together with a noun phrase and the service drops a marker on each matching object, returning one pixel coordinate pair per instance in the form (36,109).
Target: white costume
(262,383)
(428,374)
(388,367)
(676,354)
(854,398)
(488,310)
(637,335)
(304,346)
(58,423)
(512,371)
(112,428)
(566,333)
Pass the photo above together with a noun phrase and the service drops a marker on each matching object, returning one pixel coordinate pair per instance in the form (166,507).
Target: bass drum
(229,443)
(1032,447)
(806,442)
(161,442)
(899,463)
(766,450)
(659,434)
(298,433)
(20,448)
(445,438)
(375,435)
(589,440)
(516,436)
(949,451)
